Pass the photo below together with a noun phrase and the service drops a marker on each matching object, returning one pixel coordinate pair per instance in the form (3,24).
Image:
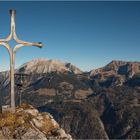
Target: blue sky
(87,34)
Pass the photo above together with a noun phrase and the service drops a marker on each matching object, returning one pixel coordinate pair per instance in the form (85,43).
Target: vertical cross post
(12,52)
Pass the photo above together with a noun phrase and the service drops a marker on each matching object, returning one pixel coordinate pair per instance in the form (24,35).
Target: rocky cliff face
(28,123)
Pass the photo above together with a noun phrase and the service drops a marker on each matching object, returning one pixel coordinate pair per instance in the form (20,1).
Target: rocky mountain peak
(47,66)
(117,66)
(116,63)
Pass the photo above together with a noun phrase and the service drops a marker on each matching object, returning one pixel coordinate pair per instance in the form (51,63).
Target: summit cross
(12,52)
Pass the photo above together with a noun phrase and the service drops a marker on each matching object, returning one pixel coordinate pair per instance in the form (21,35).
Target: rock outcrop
(28,123)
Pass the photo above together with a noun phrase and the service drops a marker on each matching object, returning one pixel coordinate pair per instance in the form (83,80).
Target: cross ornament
(12,52)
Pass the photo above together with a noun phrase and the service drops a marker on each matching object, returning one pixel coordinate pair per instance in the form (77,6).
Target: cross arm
(6,39)
(13,32)
(7,47)
(39,45)
(25,43)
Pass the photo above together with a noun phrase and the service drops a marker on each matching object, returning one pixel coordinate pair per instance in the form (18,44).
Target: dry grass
(46,91)
(48,126)
(24,106)
(13,121)
(82,94)
(7,118)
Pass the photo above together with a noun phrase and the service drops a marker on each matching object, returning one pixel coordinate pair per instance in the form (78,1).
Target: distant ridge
(116,72)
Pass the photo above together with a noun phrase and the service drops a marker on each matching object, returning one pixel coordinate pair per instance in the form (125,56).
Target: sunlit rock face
(47,66)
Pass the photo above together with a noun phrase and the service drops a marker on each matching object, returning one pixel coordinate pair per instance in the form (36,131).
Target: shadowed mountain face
(101,104)
(118,108)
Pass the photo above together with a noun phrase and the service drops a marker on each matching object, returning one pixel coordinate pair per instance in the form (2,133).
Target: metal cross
(12,52)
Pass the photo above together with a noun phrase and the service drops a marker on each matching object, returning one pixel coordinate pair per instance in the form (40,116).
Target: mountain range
(103,103)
